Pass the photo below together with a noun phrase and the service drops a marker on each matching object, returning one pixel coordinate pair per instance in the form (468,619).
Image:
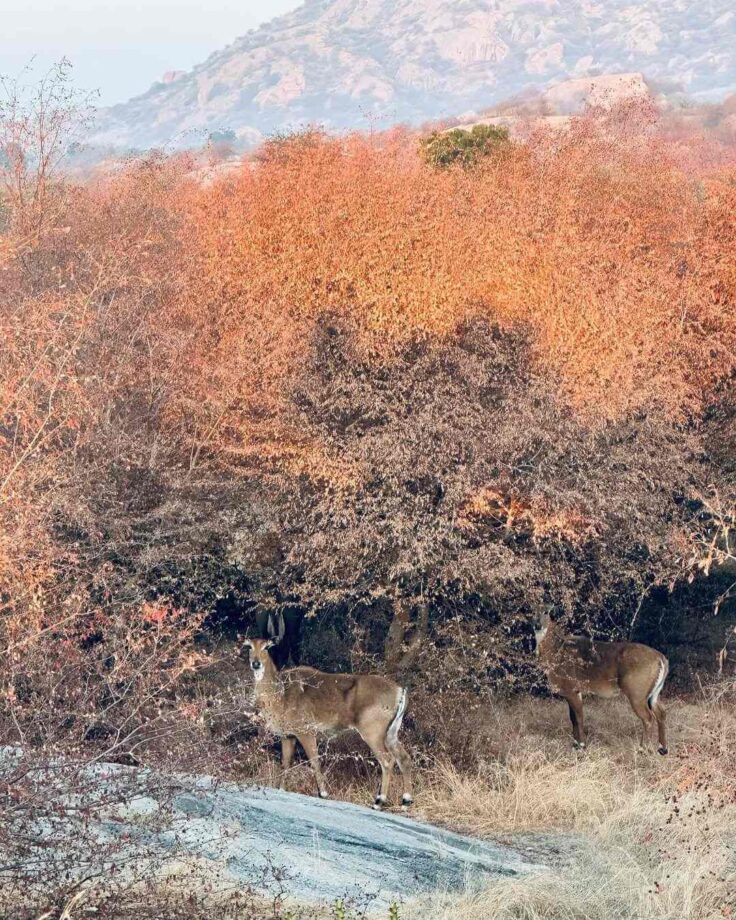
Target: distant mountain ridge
(343,63)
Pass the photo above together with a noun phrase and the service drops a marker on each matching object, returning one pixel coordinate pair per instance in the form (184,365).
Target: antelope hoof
(406,800)
(578,745)
(379,802)
(662,750)
(323,794)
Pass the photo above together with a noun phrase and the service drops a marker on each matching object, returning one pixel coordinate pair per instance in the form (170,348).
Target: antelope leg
(575,704)
(287,754)
(642,710)
(309,743)
(404,761)
(375,738)
(661,716)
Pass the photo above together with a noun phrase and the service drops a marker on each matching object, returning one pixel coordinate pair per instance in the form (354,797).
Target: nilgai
(576,665)
(298,704)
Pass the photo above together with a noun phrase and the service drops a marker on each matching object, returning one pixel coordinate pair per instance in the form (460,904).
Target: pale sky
(120,47)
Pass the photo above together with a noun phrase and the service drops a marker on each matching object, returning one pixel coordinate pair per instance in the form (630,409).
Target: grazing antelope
(300,703)
(576,665)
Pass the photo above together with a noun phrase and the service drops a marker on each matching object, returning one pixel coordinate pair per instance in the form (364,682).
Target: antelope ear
(247,644)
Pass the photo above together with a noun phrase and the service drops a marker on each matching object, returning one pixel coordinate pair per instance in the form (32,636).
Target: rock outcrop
(318,850)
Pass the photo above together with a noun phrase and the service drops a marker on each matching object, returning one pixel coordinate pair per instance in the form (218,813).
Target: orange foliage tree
(595,241)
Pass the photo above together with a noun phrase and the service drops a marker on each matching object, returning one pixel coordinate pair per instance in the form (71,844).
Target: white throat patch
(258,675)
(539,635)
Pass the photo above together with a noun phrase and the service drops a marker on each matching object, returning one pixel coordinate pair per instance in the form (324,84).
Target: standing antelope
(575,665)
(300,703)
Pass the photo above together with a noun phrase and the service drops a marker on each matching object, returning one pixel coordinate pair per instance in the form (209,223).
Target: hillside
(345,63)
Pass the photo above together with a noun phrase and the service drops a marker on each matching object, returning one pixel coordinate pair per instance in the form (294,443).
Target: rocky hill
(344,63)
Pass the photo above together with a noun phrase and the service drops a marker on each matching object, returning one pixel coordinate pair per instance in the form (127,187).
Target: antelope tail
(392,732)
(664,667)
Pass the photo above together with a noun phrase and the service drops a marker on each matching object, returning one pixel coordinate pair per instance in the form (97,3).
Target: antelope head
(259,656)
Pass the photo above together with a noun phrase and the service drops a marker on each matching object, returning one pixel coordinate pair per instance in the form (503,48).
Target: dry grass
(657,835)
(530,790)
(532,779)
(637,865)
(613,883)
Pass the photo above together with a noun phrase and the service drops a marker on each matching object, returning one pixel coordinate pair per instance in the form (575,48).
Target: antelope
(576,665)
(301,703)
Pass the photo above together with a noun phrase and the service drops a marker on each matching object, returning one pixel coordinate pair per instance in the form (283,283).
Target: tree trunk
(400,653)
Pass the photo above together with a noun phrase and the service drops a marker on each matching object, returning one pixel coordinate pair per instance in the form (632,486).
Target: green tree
(467,148)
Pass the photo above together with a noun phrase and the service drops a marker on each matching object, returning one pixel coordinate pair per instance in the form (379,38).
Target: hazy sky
(121,46)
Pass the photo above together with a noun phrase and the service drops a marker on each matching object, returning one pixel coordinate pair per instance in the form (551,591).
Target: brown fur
(302,703)
(576,665)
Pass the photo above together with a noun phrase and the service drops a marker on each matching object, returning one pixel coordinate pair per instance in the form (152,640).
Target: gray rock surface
(312,850)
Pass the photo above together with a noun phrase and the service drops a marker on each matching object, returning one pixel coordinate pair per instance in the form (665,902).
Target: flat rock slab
(314,850)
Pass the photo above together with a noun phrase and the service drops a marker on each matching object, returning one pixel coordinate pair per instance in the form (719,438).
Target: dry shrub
(347,286)
(162,396)
(595,238)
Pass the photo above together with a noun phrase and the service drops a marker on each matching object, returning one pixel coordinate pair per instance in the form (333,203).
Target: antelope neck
(270,680)
(551,642)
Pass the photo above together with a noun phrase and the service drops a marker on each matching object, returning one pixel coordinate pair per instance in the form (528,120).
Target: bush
(463,147)
(336,347)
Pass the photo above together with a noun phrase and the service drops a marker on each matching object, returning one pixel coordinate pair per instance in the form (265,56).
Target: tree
(452,472)
(39,124)
(463,147)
